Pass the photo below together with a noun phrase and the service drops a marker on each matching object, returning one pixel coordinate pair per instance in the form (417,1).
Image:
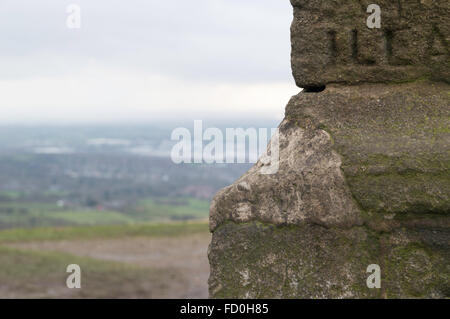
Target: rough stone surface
(309,186)
(348,152)
(254,260)
(331,42)
(359,183)
(394,141)
(364,172)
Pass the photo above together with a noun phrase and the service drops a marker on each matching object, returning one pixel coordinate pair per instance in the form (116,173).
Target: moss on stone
(256,260)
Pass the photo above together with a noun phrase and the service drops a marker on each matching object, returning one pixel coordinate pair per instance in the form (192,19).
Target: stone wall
(363,164)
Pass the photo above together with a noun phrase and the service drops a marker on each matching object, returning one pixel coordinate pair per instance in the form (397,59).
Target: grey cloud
(198,40)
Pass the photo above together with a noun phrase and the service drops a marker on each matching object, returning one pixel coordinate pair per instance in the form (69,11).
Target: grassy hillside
(41,273)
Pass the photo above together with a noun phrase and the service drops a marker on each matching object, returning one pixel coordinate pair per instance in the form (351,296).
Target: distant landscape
(111,200)
(101,175)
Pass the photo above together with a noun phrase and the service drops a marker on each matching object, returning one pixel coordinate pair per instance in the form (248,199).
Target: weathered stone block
(393,141)
(364,169)
(331,42)
(364,178)
(255,260)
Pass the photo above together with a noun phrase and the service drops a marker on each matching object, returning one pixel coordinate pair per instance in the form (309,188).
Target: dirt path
(187,255)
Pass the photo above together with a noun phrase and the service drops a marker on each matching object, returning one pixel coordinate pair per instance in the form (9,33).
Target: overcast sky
(144,60)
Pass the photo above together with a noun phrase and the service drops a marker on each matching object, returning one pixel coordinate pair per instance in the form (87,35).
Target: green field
(102,231)
(13,214)
(17,214)
(174,209)
(10,195)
